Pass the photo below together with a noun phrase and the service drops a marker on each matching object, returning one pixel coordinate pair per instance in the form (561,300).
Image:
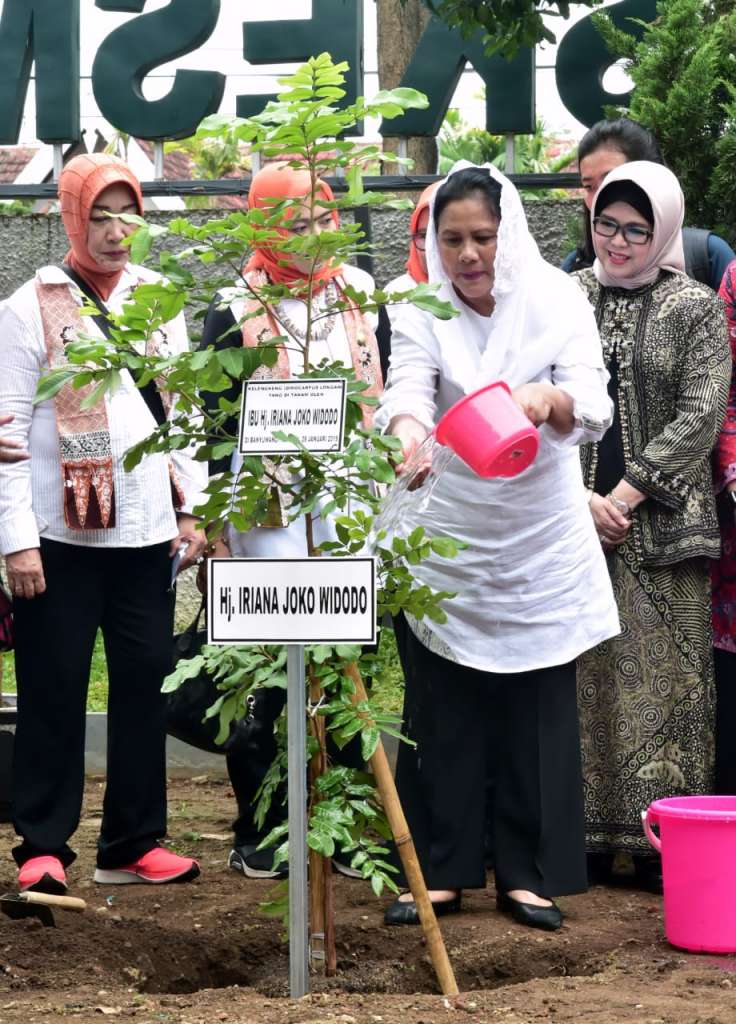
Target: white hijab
(539,310)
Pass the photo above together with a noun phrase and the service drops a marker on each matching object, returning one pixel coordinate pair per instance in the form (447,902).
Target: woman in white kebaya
(532,591)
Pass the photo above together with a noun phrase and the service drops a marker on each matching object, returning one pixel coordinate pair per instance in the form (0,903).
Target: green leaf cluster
(459,141)
(684,73)
(506,24)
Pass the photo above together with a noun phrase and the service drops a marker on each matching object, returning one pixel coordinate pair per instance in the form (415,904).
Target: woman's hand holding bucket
(541,402)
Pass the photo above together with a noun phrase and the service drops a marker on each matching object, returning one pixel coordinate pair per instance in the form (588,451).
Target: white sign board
(312,410)
(291,600)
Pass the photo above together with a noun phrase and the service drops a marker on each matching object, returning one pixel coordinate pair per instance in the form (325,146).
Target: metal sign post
(58,161)
(293,601)
(297,788)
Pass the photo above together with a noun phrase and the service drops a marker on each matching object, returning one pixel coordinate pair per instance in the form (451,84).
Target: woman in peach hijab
(346,338)
(416,264)
(89,547)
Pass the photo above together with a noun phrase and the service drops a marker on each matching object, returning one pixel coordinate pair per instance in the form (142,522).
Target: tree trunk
(399,29)
(322,916)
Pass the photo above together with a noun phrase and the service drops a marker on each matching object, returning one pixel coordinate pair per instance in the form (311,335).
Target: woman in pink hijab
(646,697)
(90,547)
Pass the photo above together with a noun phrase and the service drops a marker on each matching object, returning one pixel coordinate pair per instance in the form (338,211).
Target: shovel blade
(15,907)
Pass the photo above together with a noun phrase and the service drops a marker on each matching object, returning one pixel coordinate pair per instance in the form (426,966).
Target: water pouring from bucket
(486,429)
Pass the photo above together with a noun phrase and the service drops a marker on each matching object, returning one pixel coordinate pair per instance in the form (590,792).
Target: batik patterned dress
(646,697)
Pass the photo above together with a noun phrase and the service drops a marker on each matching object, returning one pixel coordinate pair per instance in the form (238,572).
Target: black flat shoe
(549,918)
(405,911)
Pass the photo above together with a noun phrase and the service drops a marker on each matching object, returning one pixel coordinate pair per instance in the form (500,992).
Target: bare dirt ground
(203,953)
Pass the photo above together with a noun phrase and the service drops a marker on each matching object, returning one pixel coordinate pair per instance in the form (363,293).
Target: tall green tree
(684,73)
(506,24)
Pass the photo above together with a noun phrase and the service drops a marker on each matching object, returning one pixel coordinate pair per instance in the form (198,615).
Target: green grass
(387,688)
(97,693)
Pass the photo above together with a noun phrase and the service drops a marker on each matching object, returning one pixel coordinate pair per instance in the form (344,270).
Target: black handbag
(186,706)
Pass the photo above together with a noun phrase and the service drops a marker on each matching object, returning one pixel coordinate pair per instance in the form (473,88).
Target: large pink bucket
(698,845)
(489,432)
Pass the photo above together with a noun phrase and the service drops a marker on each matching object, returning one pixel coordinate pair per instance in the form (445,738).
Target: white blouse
(31,504)
(532,588)
(291,541)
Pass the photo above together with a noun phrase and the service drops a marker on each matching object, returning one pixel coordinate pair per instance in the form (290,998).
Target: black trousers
(521,727)
(123,592)
(247,769)
(725,669)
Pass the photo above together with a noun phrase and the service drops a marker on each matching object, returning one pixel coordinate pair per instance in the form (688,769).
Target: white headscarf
(533,299)
(663,191)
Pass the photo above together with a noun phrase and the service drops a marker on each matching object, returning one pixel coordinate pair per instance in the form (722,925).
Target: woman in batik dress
(646,697)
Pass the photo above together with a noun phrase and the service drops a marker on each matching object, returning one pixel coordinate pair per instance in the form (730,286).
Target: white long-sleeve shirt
(291,541)
(532,589)
(31,492)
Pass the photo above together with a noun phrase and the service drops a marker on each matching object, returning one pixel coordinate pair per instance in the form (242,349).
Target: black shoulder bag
(695,245)
(186,707)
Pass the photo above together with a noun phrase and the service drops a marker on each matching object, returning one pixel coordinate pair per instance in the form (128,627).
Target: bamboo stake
(405,846)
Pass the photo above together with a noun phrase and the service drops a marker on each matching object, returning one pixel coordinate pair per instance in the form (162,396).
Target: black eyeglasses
(635,234)
(420,241)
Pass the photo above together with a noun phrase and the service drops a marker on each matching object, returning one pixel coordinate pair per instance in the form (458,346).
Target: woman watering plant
(646,697)
(315,333)
(89,546)
(531,586)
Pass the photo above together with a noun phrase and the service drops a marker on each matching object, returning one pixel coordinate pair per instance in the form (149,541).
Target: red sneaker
(153,868)
(42,874)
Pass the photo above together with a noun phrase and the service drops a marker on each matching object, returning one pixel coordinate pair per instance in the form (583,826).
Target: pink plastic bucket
(489,432)
(697,841)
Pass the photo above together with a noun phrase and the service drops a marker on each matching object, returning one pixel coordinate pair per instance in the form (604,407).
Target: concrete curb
(181,759)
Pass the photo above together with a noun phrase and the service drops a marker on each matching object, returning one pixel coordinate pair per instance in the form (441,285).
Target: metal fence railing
(240,186)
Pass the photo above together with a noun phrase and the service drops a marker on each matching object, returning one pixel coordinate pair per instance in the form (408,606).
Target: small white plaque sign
(312,410)
(291,600)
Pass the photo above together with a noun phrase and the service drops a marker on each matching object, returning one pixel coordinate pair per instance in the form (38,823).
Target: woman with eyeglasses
(609,144)
(416,264)
(646,697)
(90,546)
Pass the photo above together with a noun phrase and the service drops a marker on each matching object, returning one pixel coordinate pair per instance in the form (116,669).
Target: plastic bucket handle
(649,818)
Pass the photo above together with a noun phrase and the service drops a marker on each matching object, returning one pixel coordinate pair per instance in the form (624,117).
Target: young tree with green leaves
(304,127)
